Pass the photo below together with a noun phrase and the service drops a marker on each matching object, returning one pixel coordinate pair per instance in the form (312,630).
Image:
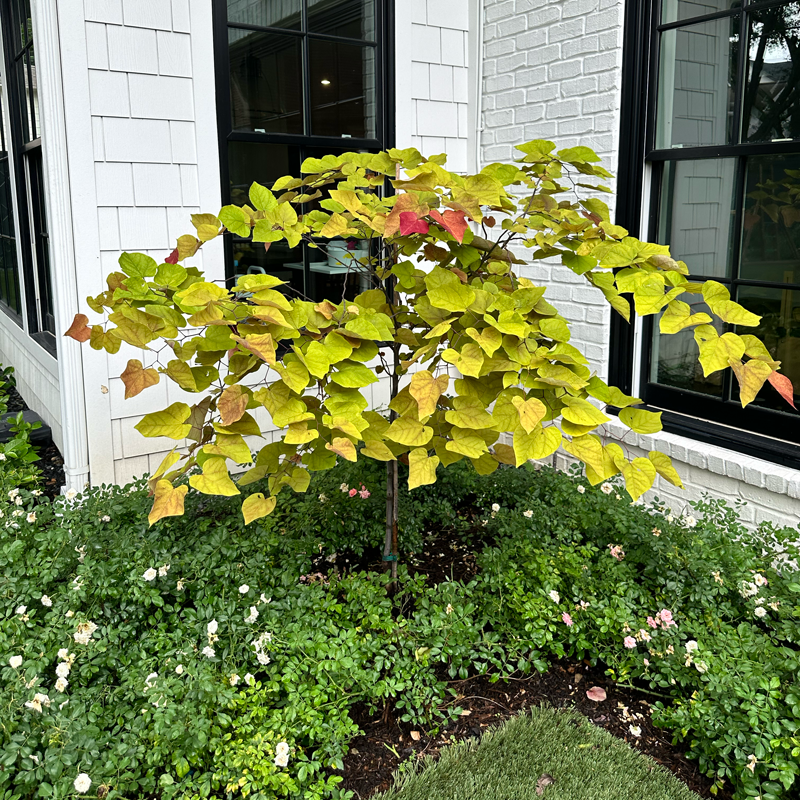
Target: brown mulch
(373,757)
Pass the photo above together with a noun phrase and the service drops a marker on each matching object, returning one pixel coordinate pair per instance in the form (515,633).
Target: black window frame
(26,154)
(751,431)
(384,89)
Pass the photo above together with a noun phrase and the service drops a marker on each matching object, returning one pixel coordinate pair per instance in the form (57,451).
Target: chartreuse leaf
(299,433)
(230,445)
(678,315)
(531,412)
(374,448)
(468,361)
(446,291)
(235,220)
(409,432)
(489,339)
(215,479)
(467,443)
(427,390)
(638,475)
(168,501)
(421,468)
(353,375)
(751,376)
(245,425)
(539,443)
(137,265)
(588,449)
(256,506)
(170,422)
(469,412)
(716,352)
(664,468)
(641,421)
(262,198)
(582,412)
(717,298)
(170,275)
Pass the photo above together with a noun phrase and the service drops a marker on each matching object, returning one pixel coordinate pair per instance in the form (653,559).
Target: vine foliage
(471,349)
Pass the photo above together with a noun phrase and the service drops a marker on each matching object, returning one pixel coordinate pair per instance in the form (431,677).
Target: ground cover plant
(204,658)
(442,292)
(555,754)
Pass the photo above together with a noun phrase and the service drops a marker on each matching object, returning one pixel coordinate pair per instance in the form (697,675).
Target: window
(21,144)
(715,126)
(297,79)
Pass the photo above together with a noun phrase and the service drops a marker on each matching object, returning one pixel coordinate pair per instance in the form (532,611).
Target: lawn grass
(584,762)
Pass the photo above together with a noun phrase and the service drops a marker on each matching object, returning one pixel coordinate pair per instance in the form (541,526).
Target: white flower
(15,662)
(244,589)
(748,589)
(760,612)
(670,518)
(18,501)
(81,551)
(751,763)
(63,654)
(20,610)
(606,488)
(13,493)
(179,669)
(82,783)
(2,456)
(618,496)
(527,513)
(36,492)
(31,517)
(71,495)
(61,685)
(18,513)
(212,627)
(282,760)
(46,601)
(635,730)
(259,645)
(69,614)
(264,599)
(323,498)
(760,580)
(180,584)
(555,596)
(282,749)
(253,616)
(38,701)
(691,646)
(344,488)
(208,651)
(701,667)
(162,571)
(62,670)
(495,507)
(150,680)
(105,518)
(150,574)
(84,633)
(234,679)
(249,679)
(690,522)
(581,489)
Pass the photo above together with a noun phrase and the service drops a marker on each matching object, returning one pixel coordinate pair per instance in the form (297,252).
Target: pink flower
(364,492)
(567,619)
(617,551)
(629,642)
(665,615)
(653,623)
(353,492)
(647,662)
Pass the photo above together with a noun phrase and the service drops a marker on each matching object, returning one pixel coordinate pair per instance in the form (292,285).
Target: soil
(50,463)
(374,756)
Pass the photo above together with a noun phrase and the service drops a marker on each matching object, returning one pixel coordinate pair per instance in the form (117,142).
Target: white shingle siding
(552,70)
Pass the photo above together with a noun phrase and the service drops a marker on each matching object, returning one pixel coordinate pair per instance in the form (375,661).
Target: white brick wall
(552,70)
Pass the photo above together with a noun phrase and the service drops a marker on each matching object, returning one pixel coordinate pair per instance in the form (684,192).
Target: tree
(472,351)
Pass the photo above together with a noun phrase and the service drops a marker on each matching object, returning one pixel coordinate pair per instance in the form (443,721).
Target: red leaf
(453,221)
(596,693)
(409,223)
(172,258)
(784,387)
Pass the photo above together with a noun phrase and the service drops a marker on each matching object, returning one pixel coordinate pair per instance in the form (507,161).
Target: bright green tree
(442,293)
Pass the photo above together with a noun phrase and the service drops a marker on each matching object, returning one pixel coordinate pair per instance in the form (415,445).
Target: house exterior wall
(553,70)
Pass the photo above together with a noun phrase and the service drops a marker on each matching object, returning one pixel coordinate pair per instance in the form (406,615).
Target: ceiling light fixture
(325,82)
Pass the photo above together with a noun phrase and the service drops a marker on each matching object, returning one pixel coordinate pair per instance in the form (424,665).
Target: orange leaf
(137,379)
(454,222)
(232,404)
(79,330)
(784,387)
(169,501)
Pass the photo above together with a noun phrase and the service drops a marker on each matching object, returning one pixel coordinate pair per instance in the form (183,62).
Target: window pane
(354,19)
(266,86)
(342,89)
(780,332)
(673,360)
(697,213)
(696,76)
(267,13)
(676,10)
(771,235)
(771,103)
(9,279)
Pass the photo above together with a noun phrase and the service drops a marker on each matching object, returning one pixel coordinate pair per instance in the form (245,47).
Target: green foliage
(442,291)
(17,455)
(149,710)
